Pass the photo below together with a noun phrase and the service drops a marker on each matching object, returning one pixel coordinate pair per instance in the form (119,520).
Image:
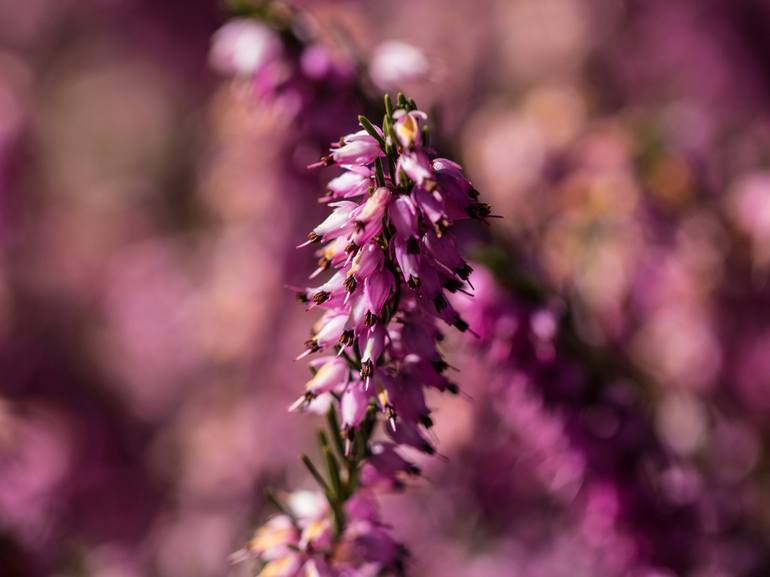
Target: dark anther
(412,246)
(464,272)
(312,345)
(440,365)
(413,282)
(452,285)
(347,338)
(350,284)
(460,325)
(370,319)
(441,227)
(440,302)
(313,237)
(381,242)
(478,210)
(367,369)
(321,297)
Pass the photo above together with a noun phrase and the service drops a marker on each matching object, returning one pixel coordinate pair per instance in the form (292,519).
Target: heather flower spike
(388,250)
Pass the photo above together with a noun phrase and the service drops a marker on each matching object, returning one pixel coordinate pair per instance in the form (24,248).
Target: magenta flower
(252,51)
(394,258)
(389,259)
(385,468)
(244,47)
(354,182)
(357,149)
(300,541)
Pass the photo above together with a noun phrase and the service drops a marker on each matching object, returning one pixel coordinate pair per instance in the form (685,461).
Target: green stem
(332,466)
(316,474)
(378,174)
(388,106)
(270,496)
(334,429)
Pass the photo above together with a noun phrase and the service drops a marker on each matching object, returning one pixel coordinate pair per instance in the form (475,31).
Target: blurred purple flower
(395,64)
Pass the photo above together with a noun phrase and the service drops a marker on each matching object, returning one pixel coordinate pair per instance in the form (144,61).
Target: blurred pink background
(149,210)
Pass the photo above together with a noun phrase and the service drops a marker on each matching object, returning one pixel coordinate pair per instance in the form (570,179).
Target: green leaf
(339,520)
(352,479)
(379,176)
(388,106)
(333,467)
(316,475)
(369,127)
(270,496)
(335,431)
(390,133)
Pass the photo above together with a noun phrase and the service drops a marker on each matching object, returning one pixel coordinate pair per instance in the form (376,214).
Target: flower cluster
(301,540)
(389,242)
(389,249)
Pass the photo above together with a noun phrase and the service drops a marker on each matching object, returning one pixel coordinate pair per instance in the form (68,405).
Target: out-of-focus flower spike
(409,434)
(386,468)
(288,565)
(246,48)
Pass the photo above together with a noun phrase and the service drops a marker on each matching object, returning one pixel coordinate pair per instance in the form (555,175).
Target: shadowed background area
(149,210)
